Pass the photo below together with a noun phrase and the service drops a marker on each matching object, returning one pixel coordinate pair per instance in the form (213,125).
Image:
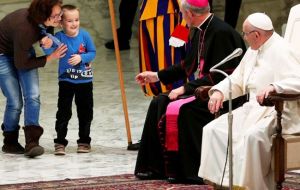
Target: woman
(19,30)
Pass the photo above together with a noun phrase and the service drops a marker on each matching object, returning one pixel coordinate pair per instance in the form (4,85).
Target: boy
(75,80)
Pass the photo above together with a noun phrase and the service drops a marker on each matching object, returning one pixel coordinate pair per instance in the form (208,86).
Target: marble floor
(109,155)
(109,139)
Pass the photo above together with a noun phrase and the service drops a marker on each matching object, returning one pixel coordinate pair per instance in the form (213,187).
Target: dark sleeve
(171,74)
(184,69)
(24,58)
(220,45)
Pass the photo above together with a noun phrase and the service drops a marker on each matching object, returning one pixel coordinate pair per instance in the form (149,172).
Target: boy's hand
(75,59)
(58,53)
(46,42)
(88,65)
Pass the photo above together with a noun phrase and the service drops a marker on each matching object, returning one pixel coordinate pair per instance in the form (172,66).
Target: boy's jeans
(13,83)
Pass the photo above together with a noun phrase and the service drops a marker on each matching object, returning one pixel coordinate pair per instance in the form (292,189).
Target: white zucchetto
(261,21)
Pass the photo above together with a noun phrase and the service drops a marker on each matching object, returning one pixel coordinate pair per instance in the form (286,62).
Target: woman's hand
(58,53)
(46,42)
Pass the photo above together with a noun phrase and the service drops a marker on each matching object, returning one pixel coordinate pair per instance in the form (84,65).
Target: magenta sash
(171,123)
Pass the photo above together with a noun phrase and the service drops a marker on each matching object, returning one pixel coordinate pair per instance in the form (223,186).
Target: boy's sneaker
(59,149)
(83,148)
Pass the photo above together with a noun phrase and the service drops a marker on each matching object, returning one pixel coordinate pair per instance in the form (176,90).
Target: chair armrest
(201,93)
(279,97)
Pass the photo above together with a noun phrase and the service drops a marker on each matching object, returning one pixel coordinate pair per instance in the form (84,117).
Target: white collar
(199,27)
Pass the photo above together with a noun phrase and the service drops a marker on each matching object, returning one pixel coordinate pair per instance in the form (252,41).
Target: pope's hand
(264,93)
(216,101)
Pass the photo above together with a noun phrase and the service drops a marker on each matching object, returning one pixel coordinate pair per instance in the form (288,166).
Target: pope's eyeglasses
(247,33)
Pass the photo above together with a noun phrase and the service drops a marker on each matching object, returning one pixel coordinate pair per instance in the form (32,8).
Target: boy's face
(70,22)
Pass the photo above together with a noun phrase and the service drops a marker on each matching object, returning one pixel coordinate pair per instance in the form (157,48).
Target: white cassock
(274,63)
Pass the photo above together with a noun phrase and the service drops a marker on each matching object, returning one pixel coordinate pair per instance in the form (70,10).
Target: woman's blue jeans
(16,86)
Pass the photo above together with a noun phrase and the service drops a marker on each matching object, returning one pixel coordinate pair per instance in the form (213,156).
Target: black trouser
(84,103)
(150,155)
(232,10)
(127,10)
(192,117)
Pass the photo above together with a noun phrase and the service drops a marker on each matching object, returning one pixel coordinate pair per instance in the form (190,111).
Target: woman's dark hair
(40,10)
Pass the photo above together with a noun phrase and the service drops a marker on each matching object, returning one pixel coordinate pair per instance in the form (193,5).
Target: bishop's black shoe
(192,180)
(123,45)
(148,175)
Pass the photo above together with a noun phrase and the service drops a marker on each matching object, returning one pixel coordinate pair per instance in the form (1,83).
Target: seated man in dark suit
(211,41)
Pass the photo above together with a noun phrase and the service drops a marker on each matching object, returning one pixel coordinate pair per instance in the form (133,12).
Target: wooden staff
(119,65)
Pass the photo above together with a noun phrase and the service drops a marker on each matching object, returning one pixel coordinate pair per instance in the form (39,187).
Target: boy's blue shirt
(81,44)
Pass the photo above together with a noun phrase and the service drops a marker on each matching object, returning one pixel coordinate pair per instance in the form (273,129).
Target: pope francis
(269,65)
